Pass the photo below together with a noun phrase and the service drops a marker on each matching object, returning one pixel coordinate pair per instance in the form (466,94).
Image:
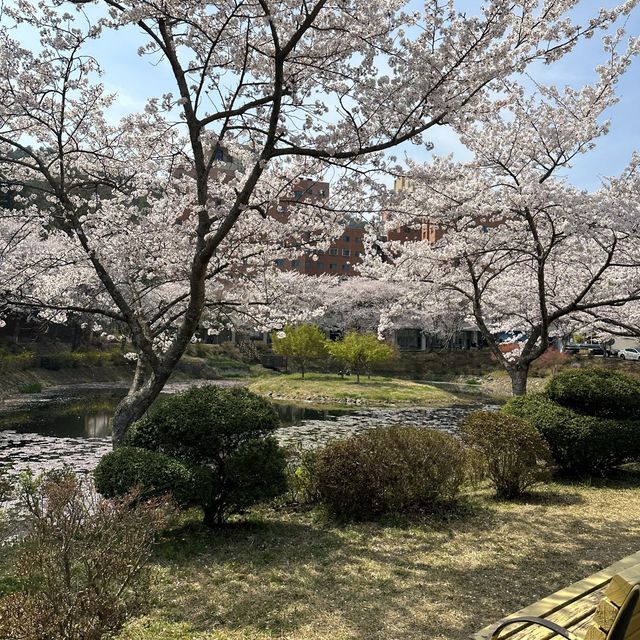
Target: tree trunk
(302,369)
(136,403)
(519,377)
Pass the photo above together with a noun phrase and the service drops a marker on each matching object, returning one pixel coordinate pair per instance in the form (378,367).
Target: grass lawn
(330,388)
(289,575)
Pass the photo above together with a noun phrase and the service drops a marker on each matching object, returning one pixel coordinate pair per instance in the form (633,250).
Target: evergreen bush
(226,432)
(154,473)
(581,445)
(596,392)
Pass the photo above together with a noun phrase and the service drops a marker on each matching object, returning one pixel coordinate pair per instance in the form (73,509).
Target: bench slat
(565,597)
(567,617)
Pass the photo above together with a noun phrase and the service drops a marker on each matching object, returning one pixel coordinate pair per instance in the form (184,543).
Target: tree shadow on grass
(292,576)
(547,497)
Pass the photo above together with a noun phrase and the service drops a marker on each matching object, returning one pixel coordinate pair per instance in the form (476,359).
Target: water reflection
(295,414)
(75,418)
(98,425)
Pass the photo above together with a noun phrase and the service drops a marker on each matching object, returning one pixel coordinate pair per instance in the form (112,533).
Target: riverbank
(27,382)
(321,388)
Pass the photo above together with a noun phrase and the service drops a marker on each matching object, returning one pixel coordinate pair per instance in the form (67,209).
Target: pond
(74,427)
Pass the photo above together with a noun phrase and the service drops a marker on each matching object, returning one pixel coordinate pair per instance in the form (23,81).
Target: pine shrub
(596,392)
(581,445)
(220,442)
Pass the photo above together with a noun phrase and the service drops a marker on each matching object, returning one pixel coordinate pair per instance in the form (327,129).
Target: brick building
(422,230)
(343,254)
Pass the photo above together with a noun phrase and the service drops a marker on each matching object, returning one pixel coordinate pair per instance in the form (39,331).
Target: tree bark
(135,404)
(519,375)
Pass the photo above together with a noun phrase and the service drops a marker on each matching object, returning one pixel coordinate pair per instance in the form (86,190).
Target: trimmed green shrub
(226,431)
(514,454)
(154,473)
(391,470)
(581,445)
(195,425)
(596,392)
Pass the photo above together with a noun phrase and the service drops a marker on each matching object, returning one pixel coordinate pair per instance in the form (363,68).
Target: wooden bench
(591,609)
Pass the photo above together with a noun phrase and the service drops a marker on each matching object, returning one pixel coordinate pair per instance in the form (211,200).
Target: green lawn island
(603,606)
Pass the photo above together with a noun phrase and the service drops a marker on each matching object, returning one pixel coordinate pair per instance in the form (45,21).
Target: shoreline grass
(321,388)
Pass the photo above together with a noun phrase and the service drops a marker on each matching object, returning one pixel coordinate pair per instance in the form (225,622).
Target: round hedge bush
(225,431)
(596,392)
(155,473)
(202,421)
(389,470)
(513,453)
(581,445)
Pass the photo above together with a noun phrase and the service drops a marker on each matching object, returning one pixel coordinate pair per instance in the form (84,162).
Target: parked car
(590,348)
(629,354)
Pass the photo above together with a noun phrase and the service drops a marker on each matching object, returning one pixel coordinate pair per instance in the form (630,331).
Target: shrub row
(60,360)
(214,448)
(589,417)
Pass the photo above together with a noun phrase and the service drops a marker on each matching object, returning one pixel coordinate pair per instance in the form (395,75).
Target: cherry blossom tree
(523,250)
(154,222)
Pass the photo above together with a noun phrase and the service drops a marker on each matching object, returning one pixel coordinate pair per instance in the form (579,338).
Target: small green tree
(300,344)
(361,351)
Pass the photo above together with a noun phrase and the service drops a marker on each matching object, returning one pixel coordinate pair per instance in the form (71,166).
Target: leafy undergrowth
(293,575)
(330,388)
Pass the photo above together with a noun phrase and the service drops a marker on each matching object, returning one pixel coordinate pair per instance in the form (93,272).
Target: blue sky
(612,152)
(134,79)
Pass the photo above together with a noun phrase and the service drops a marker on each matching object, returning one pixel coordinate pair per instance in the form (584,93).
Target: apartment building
(421,230)
(343,255)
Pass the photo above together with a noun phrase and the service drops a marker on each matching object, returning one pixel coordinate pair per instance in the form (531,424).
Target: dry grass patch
(294,576)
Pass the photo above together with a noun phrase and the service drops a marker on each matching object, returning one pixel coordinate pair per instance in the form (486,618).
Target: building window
(358,254)
(346,252)
(320,265)
(359,240)
(295,264)
(346,238)
(320,192)
(219,154)
(333,266)
(297,195)
(346,267)
(280,262)
(333,252)
(320,252)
